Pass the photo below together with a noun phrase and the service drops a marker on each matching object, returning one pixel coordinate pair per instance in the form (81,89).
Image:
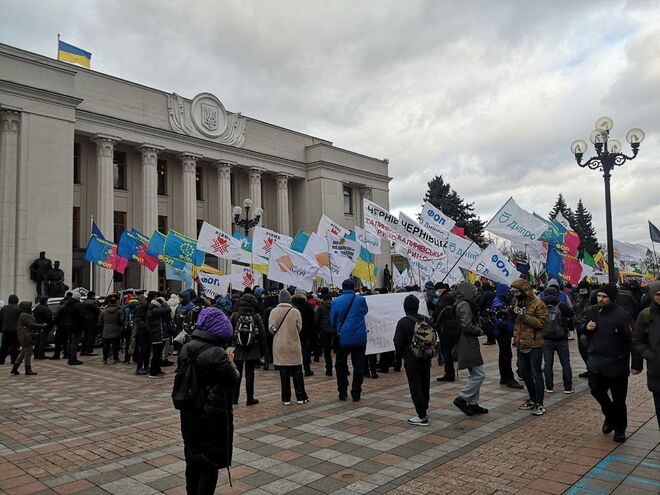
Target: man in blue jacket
(347,316)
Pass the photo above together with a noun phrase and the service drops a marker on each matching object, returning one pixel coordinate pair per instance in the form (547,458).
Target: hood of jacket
(523,286)
(467,291)
(248,304)
(25,307)
(112,308)
(185,297)
(501,291)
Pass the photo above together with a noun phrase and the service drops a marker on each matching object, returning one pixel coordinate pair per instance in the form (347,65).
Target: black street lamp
(608,156)
(247,223)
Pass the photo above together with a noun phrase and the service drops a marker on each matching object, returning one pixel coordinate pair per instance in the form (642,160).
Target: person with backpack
(203,393)
(469,352)
(555,339)
(503,331)
(285,323)
(25,326)
(449,330)
(249,341)
(347,316)
(647,343)
(128,321)
(415,340)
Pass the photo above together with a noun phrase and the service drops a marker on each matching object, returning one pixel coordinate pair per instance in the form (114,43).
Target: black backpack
(188,393)
(448,323)
(554,330)
(190,320)
(246,331)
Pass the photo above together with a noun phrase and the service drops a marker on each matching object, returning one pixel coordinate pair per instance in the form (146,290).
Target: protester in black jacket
(43,315)
(449,330)
(307,333)
(647,343)
(157,311)
(326,330)
(92,310)
(142,335)
(8,323)
(71,320)
(418,370)
(608,333)
(559,345)
(208,432)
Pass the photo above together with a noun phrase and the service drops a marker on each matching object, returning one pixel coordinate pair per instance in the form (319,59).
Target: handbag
(181,338)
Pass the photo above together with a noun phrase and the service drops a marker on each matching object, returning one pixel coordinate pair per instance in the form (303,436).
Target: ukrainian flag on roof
(73,54)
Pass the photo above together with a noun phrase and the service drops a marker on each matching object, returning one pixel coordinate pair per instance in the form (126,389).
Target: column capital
(10,120)
(282,181)
(146,147)
(105,144)
(224,169)
(366,191)
(225,164)
(189,161)
(254,175)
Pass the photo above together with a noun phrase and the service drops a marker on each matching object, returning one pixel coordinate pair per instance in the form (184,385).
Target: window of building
(162,224)
(76,163)
(161,170)
(119,170)
(199,183)
(348,201)
(77,278)
(119,224)
(200,222)
(76,227)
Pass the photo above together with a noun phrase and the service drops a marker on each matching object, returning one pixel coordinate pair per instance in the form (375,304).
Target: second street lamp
(247,223)
(608,156)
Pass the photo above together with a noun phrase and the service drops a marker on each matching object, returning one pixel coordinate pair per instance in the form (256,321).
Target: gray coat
(469,352)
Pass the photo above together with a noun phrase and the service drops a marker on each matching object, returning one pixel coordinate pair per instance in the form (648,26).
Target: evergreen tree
(562,207)
(583,228)
(442,196)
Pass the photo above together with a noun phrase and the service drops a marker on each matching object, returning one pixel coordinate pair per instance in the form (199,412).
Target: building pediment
(205,117)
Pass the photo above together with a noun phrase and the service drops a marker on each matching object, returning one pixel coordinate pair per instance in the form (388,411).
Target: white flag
(214,285)
(369,241)
(243,277)
(263,241)
(561,219)
(493,265)
(326,224)
(291,268)
(379,221)
(410,227)
(335,265)
(434,220)
(215,241)
(588,271)
(462,250)
(512,222)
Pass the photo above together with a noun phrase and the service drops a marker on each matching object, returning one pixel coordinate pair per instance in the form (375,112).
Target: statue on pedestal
(387,278)
(55,281)
(39,271)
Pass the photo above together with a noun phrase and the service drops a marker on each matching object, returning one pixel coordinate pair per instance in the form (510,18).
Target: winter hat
(284,296)
(429,285)
(654,287)
(214,321)
(411,304)
(13,299)
(348,284)
(583,285)
(610,290)
(258,291)
(553,283)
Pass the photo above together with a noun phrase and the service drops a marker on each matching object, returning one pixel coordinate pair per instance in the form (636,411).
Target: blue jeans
(529,364)
(561,348)
(470,392)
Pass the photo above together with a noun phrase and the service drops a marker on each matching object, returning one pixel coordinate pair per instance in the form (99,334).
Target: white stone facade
(64,130)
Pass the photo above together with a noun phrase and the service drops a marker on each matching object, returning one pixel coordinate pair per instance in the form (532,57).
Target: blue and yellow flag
(183,248)
(73,54)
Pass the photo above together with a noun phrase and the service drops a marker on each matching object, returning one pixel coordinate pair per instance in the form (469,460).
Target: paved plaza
(98,429)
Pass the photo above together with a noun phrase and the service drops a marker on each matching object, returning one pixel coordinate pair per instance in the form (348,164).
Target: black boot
(14,370)
(29,372)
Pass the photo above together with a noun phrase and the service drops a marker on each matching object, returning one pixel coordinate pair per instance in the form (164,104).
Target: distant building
(76,143)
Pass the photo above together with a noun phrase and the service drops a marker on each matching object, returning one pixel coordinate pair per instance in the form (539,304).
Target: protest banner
(493,265)
(214,285)
(263,240)
(385,311)
(326,224)
(435,220)
(291,268)
(217,242)
(512,222)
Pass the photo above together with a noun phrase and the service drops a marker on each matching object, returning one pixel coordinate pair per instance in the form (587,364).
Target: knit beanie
(610,290)
(654,288)
(284,296)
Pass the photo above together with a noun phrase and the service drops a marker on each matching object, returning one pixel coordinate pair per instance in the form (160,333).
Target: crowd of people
(228,338)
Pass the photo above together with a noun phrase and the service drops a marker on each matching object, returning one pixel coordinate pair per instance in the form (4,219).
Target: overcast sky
(488,94)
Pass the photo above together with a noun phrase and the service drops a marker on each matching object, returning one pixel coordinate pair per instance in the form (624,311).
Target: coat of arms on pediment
(205,117)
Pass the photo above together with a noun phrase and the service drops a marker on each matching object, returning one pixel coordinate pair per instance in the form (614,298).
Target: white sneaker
(286,403)
(539,410)
(417,421)
(528,405)
(303,401)
(569,391)
(549,390)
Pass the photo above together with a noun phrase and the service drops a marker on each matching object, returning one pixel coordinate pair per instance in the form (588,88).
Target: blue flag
(128,246)
(184,275)
(96,231)
(246,242)
(99,251)
(300,241)
(183,248)
(156,249)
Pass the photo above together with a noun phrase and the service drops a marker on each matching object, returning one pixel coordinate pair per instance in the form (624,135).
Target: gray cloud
(490,94)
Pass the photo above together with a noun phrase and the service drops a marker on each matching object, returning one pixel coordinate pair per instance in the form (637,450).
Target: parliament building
(76,144)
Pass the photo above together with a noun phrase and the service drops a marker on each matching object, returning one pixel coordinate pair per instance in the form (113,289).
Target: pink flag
(459,231)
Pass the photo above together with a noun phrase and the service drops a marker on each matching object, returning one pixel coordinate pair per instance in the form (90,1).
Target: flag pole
(327,243)
(91,227)
(655,259)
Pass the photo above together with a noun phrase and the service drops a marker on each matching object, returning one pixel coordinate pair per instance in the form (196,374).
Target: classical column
(224,195)
(10,123)
(282,185)
(105,202)
(189,199)
(149,204)
(254,181)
